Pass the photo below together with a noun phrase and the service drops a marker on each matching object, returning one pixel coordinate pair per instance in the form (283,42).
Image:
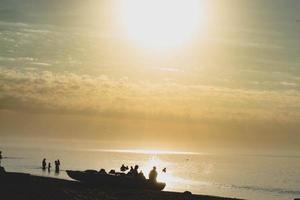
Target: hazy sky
(70,69)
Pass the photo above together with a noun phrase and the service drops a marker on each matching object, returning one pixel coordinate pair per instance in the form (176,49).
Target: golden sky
(185,74)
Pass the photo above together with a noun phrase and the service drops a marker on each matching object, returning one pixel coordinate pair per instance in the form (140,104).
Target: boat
(116,180)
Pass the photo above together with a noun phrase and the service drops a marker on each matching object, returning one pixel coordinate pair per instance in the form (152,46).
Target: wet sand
(17,186)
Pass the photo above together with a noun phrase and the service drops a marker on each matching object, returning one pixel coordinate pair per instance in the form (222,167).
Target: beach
(15,186)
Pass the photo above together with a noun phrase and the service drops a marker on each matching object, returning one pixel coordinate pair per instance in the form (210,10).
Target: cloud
(290,84)
(45,91)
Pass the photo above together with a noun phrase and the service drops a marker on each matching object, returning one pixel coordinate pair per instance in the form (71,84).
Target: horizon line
(147,151)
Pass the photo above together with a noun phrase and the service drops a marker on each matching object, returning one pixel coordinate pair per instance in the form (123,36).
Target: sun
(160,23)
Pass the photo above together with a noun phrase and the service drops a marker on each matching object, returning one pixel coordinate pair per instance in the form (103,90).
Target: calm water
(243,176)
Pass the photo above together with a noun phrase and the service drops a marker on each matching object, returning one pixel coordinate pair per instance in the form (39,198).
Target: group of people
(56,162)
(134,171)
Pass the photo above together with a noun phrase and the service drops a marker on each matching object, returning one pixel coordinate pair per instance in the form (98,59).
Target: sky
(202,74)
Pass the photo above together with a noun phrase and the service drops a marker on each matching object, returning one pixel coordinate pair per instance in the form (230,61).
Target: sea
(247,176)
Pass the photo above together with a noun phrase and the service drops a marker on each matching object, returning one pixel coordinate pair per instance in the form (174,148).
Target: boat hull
(116,181)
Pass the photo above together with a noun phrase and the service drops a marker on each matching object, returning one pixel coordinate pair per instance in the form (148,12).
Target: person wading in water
(44,164)
(0,157)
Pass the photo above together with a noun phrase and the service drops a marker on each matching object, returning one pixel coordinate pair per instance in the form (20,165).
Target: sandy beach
(15,186)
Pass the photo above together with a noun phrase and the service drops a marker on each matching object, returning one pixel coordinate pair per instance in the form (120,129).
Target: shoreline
(15,186)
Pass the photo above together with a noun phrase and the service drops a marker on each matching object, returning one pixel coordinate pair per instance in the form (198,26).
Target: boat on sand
(117,180)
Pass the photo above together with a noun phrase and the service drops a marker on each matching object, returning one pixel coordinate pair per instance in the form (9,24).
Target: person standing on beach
(0,157)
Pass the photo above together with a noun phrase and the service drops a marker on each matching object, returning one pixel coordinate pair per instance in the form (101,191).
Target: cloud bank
(69,93)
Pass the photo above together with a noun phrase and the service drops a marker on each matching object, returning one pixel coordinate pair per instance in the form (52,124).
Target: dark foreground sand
(27,187)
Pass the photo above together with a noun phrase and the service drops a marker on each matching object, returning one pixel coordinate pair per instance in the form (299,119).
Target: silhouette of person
(57,164)
(130,171)
(135,170)
(44,164)
(0,157)
(153,175)
(49,167)
(123,168)
(102,171)
(56,167)
(141,175)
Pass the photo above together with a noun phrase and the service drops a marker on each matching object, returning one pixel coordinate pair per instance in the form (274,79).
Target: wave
(265,189)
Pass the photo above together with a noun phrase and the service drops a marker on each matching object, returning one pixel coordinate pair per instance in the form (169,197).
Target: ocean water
(242,176)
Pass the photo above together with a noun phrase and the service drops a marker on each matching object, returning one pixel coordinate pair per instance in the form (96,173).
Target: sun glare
(155,161)
(160,23)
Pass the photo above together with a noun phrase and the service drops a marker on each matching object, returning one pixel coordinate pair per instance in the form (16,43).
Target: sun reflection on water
(179,167)
(169,178)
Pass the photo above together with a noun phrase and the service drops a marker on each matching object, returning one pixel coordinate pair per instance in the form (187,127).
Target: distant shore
(17,186)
